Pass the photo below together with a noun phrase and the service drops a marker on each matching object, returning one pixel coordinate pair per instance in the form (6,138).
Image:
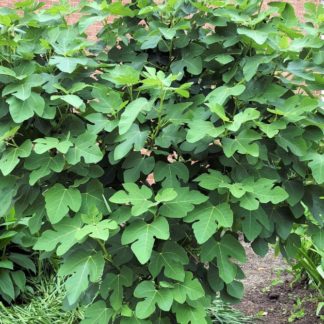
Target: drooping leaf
(256,35)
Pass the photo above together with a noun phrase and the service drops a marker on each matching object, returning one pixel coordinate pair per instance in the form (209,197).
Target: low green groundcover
(133,162)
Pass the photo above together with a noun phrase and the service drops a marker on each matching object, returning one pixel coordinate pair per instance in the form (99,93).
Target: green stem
(160,109)
(106,203)
(130,91)
(39,266)
(260,7)
(107,256)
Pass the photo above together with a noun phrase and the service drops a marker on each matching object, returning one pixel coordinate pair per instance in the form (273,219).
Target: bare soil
(270,294)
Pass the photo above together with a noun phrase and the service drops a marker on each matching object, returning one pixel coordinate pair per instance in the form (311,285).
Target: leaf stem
(107,256)
(160,109)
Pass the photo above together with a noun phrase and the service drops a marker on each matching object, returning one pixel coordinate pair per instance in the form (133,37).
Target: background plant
(42,303)
(222,313)
(215,99)
(308,264)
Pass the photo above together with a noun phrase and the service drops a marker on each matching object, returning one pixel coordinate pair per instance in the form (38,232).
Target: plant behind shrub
(215,99)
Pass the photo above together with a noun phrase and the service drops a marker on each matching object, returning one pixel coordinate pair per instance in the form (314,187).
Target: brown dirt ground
(269,294)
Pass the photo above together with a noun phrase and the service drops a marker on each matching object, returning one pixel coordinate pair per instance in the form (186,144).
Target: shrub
(215,99)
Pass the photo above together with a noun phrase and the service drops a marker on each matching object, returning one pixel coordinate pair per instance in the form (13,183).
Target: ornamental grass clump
(216,101)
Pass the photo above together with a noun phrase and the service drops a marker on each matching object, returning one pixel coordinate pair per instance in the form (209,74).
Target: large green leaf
(251,192)
(228,247)
(131,112)
(183,203)
(200,129)
(22,89)
(63,236)
(93,196)
(220,95)
(187,314)
(113,285)
(189,289)
(6,285)
(317,167)
(244,143)
(82,268)
(121,75)
(69,64)
(43,165)
(142,236)
(212,180)
(8,189)
(10,158)
(190,60)
(106,99)
(45,144)
(99,230)
(246,115)
(256,35)
(171,173)
(138,197)
(97,313)
(135,164)
(72,100)
(21,110)
(86,147)
(207,219)
(152,296)
(134,138)
(172,258)
(291,138)
(59,200)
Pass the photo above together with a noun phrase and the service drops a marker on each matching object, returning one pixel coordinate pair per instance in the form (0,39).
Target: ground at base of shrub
(270,296)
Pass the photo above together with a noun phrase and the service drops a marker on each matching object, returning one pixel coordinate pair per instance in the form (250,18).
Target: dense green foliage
(215,99)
